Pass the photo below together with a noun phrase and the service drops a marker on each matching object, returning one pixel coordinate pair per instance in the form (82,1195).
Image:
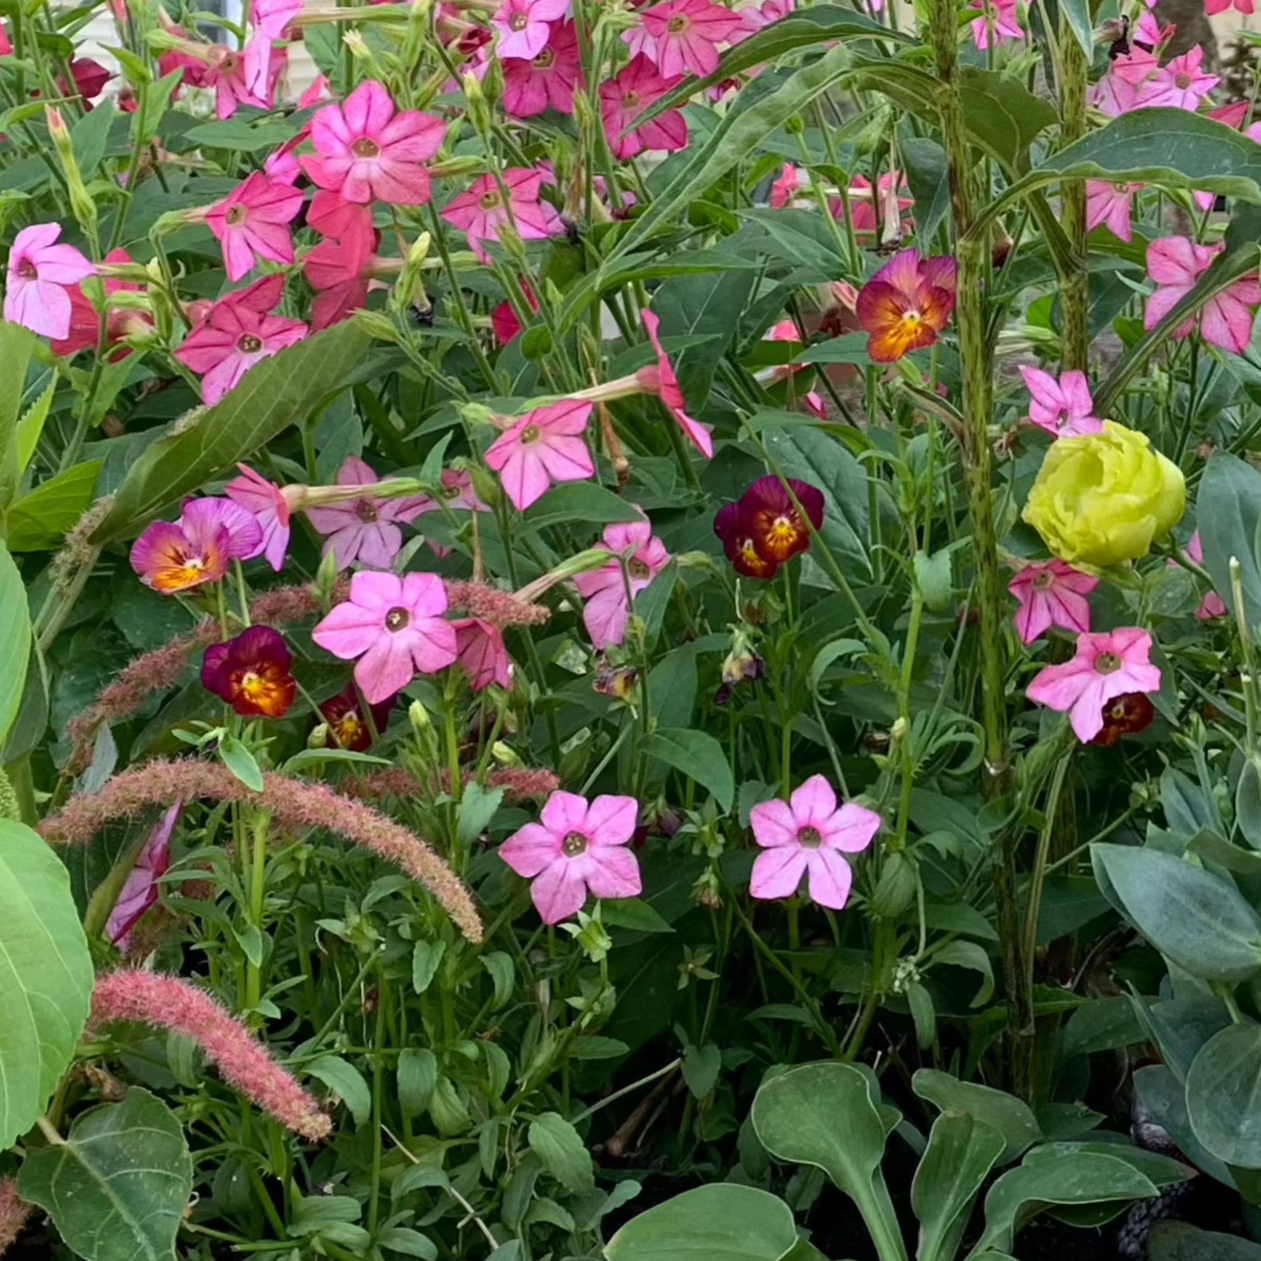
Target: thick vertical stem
(973,262)
(1074,287)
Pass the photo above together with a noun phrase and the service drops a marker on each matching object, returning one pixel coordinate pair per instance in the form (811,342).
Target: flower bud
(419,718)
(895,889)
(1102,498)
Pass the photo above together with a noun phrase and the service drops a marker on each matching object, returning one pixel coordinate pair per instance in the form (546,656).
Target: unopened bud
(319,737)
(895,889)
(419,718)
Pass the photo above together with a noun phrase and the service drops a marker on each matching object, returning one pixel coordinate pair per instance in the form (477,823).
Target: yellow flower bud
(1102,498)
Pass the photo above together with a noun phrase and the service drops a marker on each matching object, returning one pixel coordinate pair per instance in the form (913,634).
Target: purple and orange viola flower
(173,556)
(906,304)
(764,527)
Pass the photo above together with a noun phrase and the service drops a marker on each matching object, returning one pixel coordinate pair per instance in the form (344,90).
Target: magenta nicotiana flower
(242,77)
(1212,605)
(575,848)
(140,890)
(1062,407)
(624,97)
(1108,203)
(365,530)
(482,210)
(252,223)
(545,445)
(524,25)
(682,36)
(660,379)
(272,17)
(808,834)
(39,275)
(482,654)
(1107,665)
(531,84)
(269,507)
(607,610)
(1001,15)
(174,556)
(1176,264)
(395,626)
(1051,594)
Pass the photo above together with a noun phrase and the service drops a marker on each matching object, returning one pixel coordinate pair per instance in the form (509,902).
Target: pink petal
(386,668)
(613,872)
(830,878)
(774,824)
(531,849)
(850,829)
(814,802)
(565,812)
(777,872)
(559,892)
(349,630)
(610,821)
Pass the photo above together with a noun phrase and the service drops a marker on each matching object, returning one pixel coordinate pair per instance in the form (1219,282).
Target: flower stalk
(1075,277)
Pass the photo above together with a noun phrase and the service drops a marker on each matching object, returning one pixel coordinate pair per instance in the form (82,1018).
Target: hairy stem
(1074,283)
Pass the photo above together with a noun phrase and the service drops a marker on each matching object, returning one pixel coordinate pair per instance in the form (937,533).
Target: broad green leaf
(562,1152)
(46,976)
(1077,1178)
(90,136)
(1107,1024)
(15,635)
(118,1186)
(1248,806)
(1076,13)
(1218,850)
(32,424)
(346,1082)
(1193,917)
(968,954)
(696,755)
(240,136)
(583,503)
(925,162)
(824,1115)
(1002,115)
(1163,1098)
(1164,1171)
(1224,1095)
(961,1152)
(1180,1241)
(273,395)
(634,913)
(241,762)
(1228,513)
(39,520)
(720,1222)
(701,1066)
(17,345)
(1011,1117)
(426,956)
(417,1076)
(411,1243)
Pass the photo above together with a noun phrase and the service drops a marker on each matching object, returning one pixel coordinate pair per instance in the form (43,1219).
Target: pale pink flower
(808,833)
(140,890)
(660,379)
(524,25)
(267,504)
(482,654)
(482,210)
(1175,264)
(366,530)
(233,337)
(36,294)
(1107,665)
(531,84)
(367,151)
(758,17)
(1114,95)
(545,445)
(394,626)
(575,848)
(682,36)
(624,97)
(272,17)
(241,77)
(457,493)
(785,188)
(167,1002)
(1001,14)
(253,221)
(606,611)
(1212,605)
(1108,203)
(1051,594)
(1180,84)
(1061,407)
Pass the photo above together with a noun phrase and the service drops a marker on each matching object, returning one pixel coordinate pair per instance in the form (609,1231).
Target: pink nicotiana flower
(531,84)
(482,210)
(40,272)
(252,222)
(367,151)
(524,25)
(1212,605)
(1051,594)
(365,530)
(241,77)
(235,335)
(809,834)
(545,445)
(85,319)
(786,187)
(396,629)
(682,36)
(1175,264)
(140,890)
(482,655)
(173,556)
(269,507)
(1107,665)
(873,208)
(660,379)
(576,847)
(1214,7)
(1001,15)
(1108,203)
(1180,84)
(624,97)
(606,611)
(1062,407)
(272,17)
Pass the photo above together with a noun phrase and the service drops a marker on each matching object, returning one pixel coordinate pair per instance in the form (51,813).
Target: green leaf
(1248,806)
(1195,918)
(477,809)
(1219,851)
(346,1082)
(241,136)
(583,502)
(1224,1095)
(1002,115)
(1076,13)
(15,635)
(1107,1024)
(241,762)
(90,135)
(698,756)
(701,1066)
(1180,1241)
(1163,1097)
(1228,513)
(596,1048)
(273,395)
(967,954)
(1011,1117)
(720,1222)
(17,345)
(46,976)
(118,1186)
(562,1152)
(39,520)
(1076,1178)
(426,956)
(411,1243)
(634,913)
(417,1077)
(824,1115)
(961,1152)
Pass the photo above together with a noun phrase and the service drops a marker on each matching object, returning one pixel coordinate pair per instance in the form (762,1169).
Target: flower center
(489,200)
(531,433)
(1044,581)
(809,837)
(630,100)
(638,569)
(27,270)
(1122,187)
(1182,81)
(348,728)
(450,492)
(249,344)
(397,619)
(365,148)
(519,21)
(912,319)
(366,511)
(546,59)
(1107,663)
(573,845)
(677,24)
(234,216)
(783,529)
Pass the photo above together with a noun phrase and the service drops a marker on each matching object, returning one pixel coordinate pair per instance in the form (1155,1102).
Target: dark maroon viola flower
(1124,716)
(251,673)
(345,719)
(764,527)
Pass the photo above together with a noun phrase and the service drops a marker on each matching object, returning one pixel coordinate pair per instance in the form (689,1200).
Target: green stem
(1074,283)
(257,895)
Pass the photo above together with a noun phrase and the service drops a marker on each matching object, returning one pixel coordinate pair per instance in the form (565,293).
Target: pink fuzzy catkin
(517,783)
(14,1214)
(499,608)
(168,1002)
(294,804)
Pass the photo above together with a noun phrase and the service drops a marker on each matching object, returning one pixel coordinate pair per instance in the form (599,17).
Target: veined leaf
(39,521)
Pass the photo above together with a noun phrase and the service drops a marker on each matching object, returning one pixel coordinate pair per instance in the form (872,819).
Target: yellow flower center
(234,216)
(249,344)
(489,200)
(677,24)
(519,21)
(531,433)
(1044,581)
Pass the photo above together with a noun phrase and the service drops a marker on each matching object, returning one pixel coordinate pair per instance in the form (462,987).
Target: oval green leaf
(15,635)
(697,755)
(1224,1095)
